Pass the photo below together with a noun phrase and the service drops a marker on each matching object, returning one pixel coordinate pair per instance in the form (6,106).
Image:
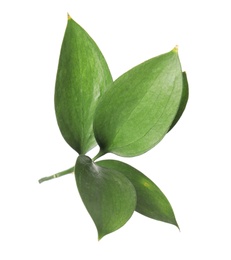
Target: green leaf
(183,101)
(138,110)
(109,196)
(82,77)
(151,202)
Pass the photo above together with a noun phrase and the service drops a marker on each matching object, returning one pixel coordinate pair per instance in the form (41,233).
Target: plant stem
(100,153)
(70,170)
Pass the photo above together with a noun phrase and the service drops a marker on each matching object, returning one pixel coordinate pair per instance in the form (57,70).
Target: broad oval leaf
(82,77)
(183,101)
(138,110)
(109,196)
(151,201)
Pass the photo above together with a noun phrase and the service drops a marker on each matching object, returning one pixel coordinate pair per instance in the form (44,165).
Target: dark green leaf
(109,196)
(138,110)
(82,77)
(183,102)
(151,202)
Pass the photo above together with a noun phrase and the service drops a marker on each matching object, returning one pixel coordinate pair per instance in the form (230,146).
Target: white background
(191,165)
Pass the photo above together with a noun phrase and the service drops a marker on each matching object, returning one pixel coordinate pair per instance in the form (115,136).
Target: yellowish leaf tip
(68,17)
(175,49)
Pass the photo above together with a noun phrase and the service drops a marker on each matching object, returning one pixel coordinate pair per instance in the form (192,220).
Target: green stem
(100,153)
(70,170)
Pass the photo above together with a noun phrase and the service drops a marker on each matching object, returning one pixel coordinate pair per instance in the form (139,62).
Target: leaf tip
(100,235)
(175,49)
(68,17)
(176,224)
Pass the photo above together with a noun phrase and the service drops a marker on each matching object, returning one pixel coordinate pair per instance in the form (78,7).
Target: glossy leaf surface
(82,77)
(138,110)
(109,196)
(151,201)
(183,102)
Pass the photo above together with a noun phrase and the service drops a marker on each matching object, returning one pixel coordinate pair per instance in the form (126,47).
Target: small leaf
(138,110)
(151,202)
(183,102)
(82,77)
(109,196)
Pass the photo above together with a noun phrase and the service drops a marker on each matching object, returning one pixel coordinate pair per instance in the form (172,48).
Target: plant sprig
(127,117)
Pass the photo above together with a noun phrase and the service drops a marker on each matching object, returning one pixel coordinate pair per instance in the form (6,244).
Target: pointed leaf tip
(68,17)
(175,49)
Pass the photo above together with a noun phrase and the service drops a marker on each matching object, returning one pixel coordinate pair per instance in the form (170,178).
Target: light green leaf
(138,110)
(82,77)
(183,102)
(151,202)
(109,196)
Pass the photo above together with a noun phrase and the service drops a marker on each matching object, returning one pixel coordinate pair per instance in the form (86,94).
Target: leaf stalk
(100,153)
(57,175)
